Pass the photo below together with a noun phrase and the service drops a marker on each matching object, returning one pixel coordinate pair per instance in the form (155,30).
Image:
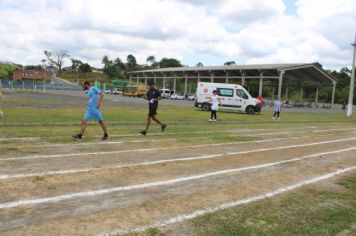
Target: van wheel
(205,107)
(250,110)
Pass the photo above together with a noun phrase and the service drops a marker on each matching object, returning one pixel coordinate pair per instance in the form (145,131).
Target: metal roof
(295,70)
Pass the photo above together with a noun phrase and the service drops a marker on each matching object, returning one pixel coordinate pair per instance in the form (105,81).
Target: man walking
(153,96)
(94,103)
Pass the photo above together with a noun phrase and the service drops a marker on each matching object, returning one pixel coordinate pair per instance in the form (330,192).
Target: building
(239,74)
(32,74)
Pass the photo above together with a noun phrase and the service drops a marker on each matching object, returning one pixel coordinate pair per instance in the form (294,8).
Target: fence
(36,85)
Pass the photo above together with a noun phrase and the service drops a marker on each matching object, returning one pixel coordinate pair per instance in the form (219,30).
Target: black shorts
(152,111)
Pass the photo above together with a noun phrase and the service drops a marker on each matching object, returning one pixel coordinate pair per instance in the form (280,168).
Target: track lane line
(227,205)
(146,163)
(166,148)
(99,192)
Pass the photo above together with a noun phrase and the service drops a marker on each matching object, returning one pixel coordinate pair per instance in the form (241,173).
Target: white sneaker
(273,118)
(279,118)
(210,120)
(214,120)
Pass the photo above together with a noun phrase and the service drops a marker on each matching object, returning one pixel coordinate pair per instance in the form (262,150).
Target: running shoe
(163,127)
(77,137)
(210,120)
(143,132)
(105,137)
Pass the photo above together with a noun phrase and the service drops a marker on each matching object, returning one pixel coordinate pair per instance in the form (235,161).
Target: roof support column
(198,77)
(212,77)
(243,79)
(130,79)
(164,81)
(301,93)
(317,95)
(154,78)
(174,82)
(138,79)
(280,82)
(260,89)
(227,78)
(145,80)
(333,95)
(185,85)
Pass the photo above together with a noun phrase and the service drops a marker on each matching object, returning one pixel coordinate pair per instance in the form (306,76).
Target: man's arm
(100,100)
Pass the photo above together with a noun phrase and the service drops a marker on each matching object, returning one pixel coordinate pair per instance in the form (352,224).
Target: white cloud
(249,31)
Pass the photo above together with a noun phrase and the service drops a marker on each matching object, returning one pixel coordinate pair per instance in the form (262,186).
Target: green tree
(169,62)
(76,66)
(131,62)
(6,70)
(151,60)
(230,63)
(84,68)
(199,64)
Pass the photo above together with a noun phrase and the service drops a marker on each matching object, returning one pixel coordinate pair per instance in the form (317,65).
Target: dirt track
(106,207)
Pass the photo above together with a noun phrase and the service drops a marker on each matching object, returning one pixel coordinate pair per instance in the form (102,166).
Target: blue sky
(207,31)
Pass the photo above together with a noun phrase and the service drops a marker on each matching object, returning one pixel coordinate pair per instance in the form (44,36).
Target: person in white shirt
(277,109)
(215,102)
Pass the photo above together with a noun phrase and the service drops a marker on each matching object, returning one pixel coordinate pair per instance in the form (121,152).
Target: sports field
(244,175)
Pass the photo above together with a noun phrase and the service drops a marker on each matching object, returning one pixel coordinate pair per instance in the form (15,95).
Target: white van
(233,97)
(166,93)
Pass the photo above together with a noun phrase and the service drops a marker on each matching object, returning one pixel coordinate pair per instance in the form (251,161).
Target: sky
(207,31)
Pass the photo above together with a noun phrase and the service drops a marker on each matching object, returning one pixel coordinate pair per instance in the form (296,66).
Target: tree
(76,66)
(169,62)
(200,64)
(84,68)
(131,62)
(230,63)
(120,64)
(111,69)
(106,61)
(57,58)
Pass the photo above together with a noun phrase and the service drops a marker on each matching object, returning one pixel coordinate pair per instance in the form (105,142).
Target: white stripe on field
(96,143)
(23,138)
(146,185)
(195,214)
(166,148)
(59,172)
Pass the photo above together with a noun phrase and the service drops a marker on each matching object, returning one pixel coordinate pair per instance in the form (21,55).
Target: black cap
(152,82)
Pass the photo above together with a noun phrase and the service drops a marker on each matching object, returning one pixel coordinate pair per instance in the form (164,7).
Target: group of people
(153,95)
(95,101)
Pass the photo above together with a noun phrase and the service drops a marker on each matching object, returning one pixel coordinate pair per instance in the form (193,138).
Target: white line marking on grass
(74,171)
(23,138)
(198,213)
(169,148)
(97,143)
(152,184)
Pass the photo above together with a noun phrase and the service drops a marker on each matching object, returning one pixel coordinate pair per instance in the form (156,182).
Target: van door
(227,97)
(242,98)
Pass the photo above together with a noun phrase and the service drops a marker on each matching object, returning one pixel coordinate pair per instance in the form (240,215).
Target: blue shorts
(93,113)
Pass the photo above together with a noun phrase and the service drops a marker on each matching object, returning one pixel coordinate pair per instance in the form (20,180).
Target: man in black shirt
(153,96)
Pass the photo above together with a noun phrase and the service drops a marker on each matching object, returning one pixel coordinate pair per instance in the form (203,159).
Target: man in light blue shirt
(94,103)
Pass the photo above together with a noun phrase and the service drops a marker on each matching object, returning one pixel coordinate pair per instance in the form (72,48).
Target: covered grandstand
(240,74)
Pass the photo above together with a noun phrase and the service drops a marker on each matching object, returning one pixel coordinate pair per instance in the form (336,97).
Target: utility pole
(352,82)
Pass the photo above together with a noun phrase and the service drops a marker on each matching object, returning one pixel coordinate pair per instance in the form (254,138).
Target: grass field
(197,178)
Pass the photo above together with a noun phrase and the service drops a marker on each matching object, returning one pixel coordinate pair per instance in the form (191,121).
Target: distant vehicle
(177,96)
(166,93)
(107,91)
(116,91)
(191,97)
(134,91)
(233,97)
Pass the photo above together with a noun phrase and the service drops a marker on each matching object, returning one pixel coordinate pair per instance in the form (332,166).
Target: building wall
(31,74)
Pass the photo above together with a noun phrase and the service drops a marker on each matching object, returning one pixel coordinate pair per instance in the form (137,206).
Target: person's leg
(84,126)
(278,113)
(157,120)
(215,115)
(103,126)
(148,123)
